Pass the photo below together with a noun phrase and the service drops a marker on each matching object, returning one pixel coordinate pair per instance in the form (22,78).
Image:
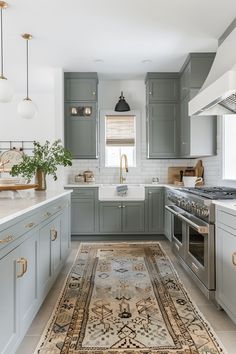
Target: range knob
(205,212)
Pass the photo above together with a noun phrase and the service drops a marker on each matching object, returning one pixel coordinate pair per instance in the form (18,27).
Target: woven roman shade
(120,130)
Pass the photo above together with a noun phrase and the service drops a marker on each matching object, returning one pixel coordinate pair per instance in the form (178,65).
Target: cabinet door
(80,89)
(155,210)
(28,282)
(133,217)
(9,325)
(82,216)
(81,137)
(185,81)
(163,89)
(45,272)
(185,127)
(65,232)
(167,219)
(110,217)
(162,130)
(55,235)
(226,270)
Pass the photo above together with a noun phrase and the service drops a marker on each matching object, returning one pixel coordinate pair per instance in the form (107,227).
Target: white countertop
(229,204)
(74,185)
(12,208)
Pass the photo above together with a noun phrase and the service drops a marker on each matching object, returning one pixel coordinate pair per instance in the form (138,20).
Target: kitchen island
(34,243)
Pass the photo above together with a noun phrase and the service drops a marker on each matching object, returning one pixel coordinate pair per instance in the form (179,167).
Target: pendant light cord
(1,46)
(27,69)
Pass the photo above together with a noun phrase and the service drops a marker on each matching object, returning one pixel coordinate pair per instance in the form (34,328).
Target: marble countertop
(12,207)
(97,185)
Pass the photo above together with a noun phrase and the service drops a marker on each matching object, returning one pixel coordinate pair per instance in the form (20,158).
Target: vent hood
(218,93)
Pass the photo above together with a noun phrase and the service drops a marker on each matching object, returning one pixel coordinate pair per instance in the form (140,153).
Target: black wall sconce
(81,111)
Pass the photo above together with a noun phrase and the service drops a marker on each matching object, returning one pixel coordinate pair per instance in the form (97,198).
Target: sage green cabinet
(162,115)
(197,134)
(81,130)
(133,217)
(84,211)
(80,86)
(164,88)
(110,217)
(81,134)
(121,217)
(163,130)
(155,210)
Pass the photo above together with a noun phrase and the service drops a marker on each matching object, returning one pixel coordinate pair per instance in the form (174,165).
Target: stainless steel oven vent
(229,103)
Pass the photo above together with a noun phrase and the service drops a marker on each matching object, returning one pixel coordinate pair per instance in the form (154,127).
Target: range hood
(218,93)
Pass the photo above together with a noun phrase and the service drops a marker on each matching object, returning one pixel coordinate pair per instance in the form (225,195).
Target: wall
(47,124)
(134,92)
(213,165)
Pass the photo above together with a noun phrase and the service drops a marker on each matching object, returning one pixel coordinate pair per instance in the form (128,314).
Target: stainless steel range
(193,231)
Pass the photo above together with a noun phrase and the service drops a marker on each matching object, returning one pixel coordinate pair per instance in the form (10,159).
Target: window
(120,138)
(229,147)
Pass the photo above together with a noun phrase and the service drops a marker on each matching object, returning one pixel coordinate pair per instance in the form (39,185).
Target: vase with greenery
(44,161)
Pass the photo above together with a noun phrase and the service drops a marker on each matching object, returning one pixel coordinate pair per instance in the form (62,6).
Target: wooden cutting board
(16,187)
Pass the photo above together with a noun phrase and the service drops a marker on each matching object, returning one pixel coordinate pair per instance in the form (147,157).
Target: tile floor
(223,326)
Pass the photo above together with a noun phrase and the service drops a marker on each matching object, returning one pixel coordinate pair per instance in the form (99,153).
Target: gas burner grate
(213,192)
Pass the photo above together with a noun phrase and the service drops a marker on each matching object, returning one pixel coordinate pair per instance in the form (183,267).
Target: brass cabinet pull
(53,233)
(58,207)
(6,239)
(233,258)
(24,263)
(47,214)
(29,225)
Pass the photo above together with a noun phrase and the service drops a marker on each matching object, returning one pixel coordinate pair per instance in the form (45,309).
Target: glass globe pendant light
(6,91)
(26,108)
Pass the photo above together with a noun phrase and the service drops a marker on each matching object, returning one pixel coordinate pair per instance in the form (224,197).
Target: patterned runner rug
(125,298)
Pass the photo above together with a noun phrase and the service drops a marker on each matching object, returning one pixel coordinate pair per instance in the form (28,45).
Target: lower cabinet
(121,217)
(226,262)
(155,210)
(28,268)
(84,211)
(9,302)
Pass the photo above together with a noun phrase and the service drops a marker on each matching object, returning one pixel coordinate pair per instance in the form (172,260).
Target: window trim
(103,114)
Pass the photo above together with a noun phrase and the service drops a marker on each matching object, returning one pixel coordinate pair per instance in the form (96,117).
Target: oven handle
(172,211)
(201,229)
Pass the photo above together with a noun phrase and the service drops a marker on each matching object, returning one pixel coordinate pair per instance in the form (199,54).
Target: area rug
(126,298)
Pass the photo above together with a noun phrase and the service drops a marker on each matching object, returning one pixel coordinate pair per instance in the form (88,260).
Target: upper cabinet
(197,134)
(162,115)
(171,133)
(81,86)
(81,118)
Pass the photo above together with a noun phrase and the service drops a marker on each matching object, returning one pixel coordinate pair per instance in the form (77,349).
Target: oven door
(200,255)
(178,234)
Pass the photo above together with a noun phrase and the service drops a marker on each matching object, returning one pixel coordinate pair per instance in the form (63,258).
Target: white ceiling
(72,34)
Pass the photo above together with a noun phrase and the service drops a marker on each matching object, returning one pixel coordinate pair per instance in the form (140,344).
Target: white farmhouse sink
(135,192)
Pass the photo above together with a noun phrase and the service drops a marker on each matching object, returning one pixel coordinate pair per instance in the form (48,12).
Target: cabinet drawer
(11,233)
(53,208)
(226,219)
(84,192)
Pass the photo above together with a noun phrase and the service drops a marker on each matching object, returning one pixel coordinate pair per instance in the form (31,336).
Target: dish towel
(122,190)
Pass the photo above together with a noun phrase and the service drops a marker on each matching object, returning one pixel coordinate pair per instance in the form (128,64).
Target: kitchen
(127,187)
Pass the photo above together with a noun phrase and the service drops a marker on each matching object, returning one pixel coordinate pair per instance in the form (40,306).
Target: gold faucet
(122,179)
